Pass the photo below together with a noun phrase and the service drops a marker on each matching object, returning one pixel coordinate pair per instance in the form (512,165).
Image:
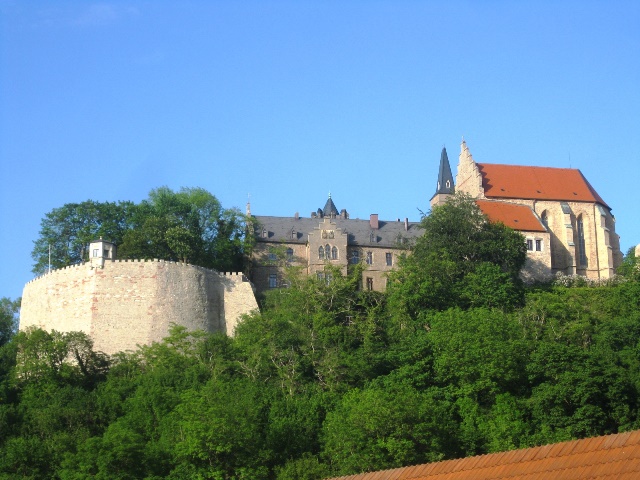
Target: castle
(121,304)
(566,225)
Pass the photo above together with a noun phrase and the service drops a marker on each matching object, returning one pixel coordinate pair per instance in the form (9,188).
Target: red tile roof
(612,457)
(539,183)
(518,217)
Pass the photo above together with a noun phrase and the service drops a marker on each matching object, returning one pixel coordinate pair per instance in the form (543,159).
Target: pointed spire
(330,208)
(445,178)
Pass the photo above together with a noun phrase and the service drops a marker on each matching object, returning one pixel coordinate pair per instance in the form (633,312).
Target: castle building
(567,226)
(327,238)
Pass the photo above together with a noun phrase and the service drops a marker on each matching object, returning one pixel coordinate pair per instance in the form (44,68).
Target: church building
(566,225)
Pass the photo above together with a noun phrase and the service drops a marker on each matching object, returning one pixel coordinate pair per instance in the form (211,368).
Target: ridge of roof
(537,183)
(606,457)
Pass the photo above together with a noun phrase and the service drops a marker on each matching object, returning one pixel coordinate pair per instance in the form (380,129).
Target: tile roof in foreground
(612,457)
(518,217)
(537,183)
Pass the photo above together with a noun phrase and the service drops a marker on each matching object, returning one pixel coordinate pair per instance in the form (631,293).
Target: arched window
(327,251)
(582,254)
(320,252)
(334,253)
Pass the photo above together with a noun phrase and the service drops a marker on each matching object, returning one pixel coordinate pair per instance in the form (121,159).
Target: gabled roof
(539,183)
(518,217)
(612,457)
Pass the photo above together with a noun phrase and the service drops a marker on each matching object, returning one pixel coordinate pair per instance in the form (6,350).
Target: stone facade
(581,229)
(122,304)
(315,243)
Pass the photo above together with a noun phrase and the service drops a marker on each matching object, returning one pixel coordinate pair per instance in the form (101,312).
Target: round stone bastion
(121,304)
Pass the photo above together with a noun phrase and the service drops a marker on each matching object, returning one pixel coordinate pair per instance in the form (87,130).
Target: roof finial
(329,194)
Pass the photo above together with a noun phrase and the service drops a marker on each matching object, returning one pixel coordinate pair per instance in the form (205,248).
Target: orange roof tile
(539,183)
(602,458)
(518,217)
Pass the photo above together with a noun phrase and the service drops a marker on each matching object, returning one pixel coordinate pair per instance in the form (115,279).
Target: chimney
(373,221)
(296,216)
(406,224)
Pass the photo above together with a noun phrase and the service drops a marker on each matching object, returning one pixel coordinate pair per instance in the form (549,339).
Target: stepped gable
(611,457)
(537,183)
(513,215)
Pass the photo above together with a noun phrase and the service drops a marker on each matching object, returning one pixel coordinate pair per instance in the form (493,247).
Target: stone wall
(130,303)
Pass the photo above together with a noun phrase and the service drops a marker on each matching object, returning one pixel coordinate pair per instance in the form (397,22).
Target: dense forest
(457,358)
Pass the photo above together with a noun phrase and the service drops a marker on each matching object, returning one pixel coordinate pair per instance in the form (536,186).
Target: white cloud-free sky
(288,100)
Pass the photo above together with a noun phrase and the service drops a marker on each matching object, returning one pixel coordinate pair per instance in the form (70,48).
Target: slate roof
(518,217)
(444,176)
(539,183)
(329,208)
(611,457)
(279,229)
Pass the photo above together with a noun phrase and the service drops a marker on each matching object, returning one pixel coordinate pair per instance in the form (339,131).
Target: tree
(8,318)
(65,232)
(461,260)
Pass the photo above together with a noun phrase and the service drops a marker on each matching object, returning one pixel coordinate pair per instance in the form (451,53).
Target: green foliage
(9,311)
(328,379)
(461,260)
(66,231)
(188,226)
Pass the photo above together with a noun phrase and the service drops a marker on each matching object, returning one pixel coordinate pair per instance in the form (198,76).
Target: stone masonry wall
(130,303)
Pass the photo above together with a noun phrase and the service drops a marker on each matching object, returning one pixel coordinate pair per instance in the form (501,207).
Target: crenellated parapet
(125,303)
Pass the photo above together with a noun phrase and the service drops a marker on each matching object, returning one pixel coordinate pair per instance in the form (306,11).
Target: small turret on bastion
(121,304)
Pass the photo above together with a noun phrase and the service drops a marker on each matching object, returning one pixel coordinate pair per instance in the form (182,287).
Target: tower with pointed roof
(445,187)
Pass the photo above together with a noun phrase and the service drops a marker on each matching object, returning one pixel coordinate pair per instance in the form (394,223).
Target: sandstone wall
(130,303)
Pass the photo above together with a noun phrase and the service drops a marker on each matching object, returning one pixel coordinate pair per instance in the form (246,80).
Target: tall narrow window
(289,254)
(334,253)
(529,244)
(369,283)
(582,254)
(389,259)
(327,252)
(273,280)
(545,219)
(355,256)
(321,253)
(538,245)
(369,258)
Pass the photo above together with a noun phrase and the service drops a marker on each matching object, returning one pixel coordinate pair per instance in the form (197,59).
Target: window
(545,219)
(273,280)
(289,254)
(272,257)
(355,256)
(581,243)
(320,252)
(327,252)
(529,244)
(538,245)
(369,283)
(95,252)
(320,276)
(334,253)
(389,258)
(105,253)
(369,258)
(372,237)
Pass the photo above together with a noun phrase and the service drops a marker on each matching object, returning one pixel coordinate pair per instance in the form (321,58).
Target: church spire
(445,186)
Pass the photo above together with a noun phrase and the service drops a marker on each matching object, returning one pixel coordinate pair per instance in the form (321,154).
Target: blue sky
(288,100)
